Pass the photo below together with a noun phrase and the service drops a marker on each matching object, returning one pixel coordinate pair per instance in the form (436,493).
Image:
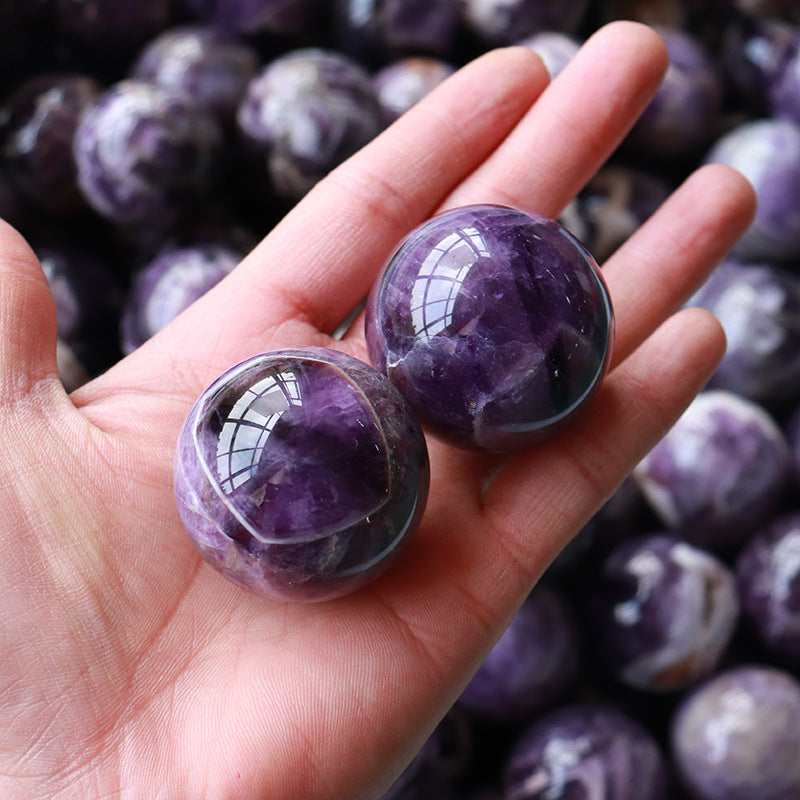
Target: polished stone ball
(585,750)
(736,736)
(495,324)
(299,474)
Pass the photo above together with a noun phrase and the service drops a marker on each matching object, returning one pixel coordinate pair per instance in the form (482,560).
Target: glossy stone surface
(169,284)
(495,324)
(585,751)
(737,737)
(532,666)
(719,472)
(662,612)
(768,572)
(306,112)
(145,155)
(299,474)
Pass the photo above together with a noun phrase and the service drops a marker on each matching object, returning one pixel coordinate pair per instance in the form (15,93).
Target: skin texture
(144,674)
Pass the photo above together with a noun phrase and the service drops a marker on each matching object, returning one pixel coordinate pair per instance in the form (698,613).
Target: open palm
(130,668)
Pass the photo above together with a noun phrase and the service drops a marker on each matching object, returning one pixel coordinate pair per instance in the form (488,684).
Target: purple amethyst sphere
(494,323)
(767,153)
(304,113)
(758,306)
(532,666)
(145,155)
(168,285)
(662,612)
(719,472)
(208,64)
(38,122)
(582,751)
(300,473)
(737,737)
(768,571)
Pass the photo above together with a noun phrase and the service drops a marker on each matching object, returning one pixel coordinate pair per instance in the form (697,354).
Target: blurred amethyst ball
(404,82)
(502,22)
(170,283)
(37,125)
(257,16)
(145,155)
(305,113)
(532,666)
(300,474)
(662,612)
(753,51)
(721,470)
(376,31)
(207,64)
(759,308)
(495,324)
(685,112)
(768,571)
(737,737)
(767,153)
(582,751)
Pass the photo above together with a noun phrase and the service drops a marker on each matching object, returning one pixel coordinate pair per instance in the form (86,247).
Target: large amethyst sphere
(768,571)
(737,737)
(494,323)
(300,473)
(145,155)
(719,472)
(662,612)
(582,751)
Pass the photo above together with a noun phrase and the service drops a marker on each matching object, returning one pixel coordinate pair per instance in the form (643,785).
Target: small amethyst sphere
(585,750)
(737,737)
(300,473)
(662,612)
(494,323)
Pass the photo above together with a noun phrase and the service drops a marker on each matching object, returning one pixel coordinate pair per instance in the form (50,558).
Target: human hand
(132,669)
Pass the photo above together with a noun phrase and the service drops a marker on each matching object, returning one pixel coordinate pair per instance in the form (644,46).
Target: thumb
(27,319)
